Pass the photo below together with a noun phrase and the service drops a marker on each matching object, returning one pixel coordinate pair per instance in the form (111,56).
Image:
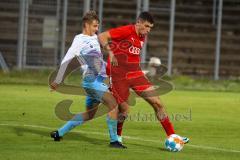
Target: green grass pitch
(210,119)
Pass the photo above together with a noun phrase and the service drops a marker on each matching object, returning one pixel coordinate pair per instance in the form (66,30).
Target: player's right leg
(122,116)
(160,112)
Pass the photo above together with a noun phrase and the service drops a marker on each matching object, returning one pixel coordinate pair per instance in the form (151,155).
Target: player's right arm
(118,34)
(71,53)
(104,39)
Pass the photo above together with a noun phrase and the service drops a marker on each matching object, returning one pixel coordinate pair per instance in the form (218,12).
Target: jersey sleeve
(72,52)
(120,32)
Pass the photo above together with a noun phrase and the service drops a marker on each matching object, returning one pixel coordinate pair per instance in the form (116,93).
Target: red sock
(168,127)
(119,128)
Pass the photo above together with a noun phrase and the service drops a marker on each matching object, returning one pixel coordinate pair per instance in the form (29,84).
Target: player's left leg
(160,112)
(91,108)
(145,89)
(95,92)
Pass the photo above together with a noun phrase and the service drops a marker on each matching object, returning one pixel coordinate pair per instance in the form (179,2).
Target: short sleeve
(120,32)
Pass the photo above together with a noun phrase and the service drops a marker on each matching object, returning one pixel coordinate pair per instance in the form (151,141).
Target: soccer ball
(174,143)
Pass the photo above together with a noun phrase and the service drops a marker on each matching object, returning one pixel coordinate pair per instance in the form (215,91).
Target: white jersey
(87,50)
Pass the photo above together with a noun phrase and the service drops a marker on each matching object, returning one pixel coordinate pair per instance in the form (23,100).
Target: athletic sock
(167,125)
(76,121)
(119,128)
(112,127)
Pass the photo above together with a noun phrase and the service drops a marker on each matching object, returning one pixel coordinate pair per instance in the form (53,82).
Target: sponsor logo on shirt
(133,39)
(134,50)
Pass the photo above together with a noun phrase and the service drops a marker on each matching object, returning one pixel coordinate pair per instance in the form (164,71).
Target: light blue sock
(76,121)
(112,127)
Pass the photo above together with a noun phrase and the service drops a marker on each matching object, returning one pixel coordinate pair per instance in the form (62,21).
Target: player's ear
(86,25)
(138,22)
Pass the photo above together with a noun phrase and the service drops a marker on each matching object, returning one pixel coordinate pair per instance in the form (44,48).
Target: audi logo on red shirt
(134,50)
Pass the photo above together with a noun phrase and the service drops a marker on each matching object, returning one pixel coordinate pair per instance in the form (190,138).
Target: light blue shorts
(95,89)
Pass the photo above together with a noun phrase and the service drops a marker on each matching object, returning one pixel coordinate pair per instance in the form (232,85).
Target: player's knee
(155,102)
(110,101)
(112,104)
(90,116)
(122,116)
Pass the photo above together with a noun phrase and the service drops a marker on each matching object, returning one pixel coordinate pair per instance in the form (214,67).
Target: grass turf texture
(40,77)
(209,119)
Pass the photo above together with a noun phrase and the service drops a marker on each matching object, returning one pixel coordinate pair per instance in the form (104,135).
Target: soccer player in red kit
(124,69)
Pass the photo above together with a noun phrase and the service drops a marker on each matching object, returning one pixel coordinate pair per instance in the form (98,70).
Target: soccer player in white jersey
(86,48)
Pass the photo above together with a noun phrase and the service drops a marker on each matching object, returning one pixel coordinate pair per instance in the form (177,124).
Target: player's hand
(53,86)
(113,60)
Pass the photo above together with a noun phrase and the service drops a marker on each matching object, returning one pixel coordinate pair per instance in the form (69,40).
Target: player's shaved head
(145,16)
(144,23)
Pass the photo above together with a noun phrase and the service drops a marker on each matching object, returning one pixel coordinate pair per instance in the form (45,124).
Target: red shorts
(120,89)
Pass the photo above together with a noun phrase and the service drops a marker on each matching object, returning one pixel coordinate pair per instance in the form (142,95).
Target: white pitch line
(127,137)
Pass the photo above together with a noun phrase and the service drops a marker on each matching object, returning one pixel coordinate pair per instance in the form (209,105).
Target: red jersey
(126,46)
